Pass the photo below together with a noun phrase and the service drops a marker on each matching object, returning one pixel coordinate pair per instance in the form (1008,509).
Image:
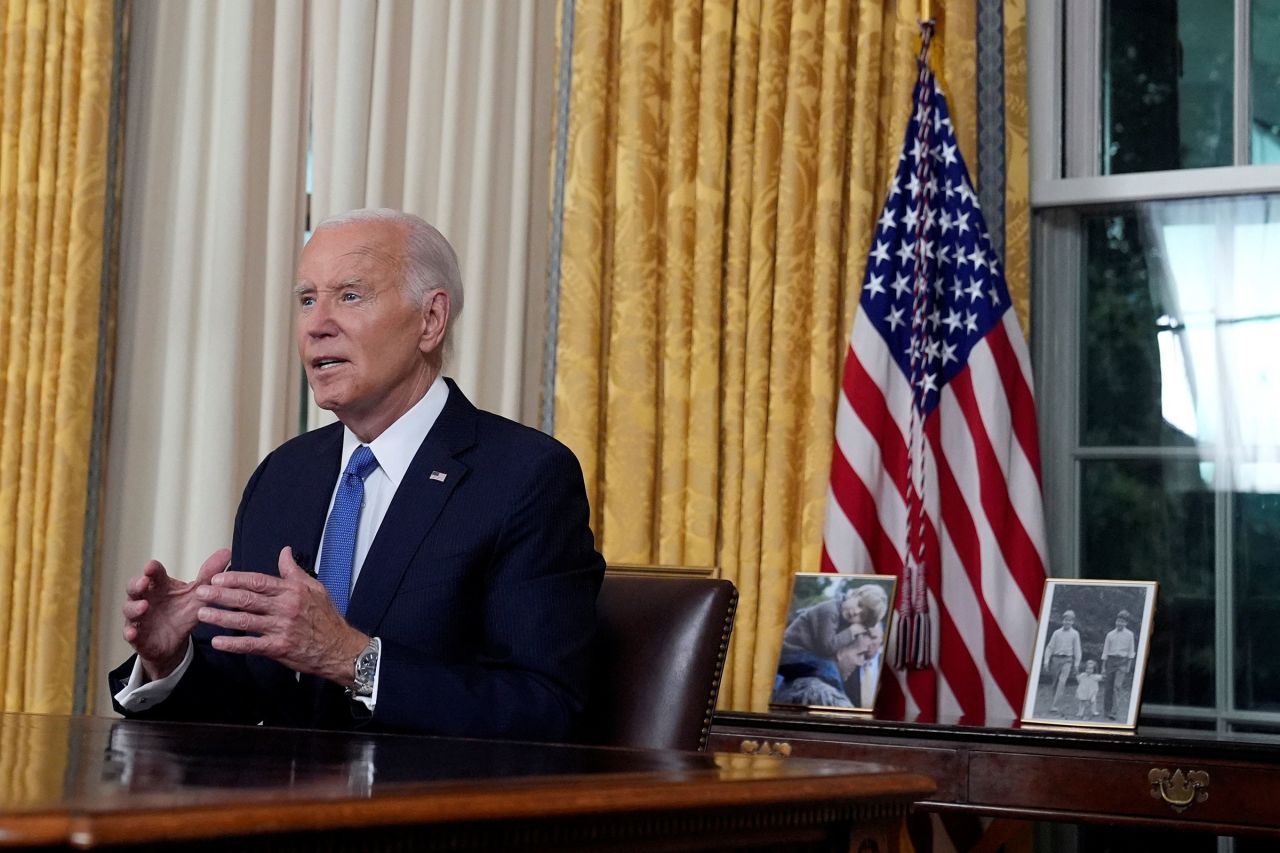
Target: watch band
(366,669)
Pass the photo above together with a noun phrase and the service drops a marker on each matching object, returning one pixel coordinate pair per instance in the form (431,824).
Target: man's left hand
(289,619)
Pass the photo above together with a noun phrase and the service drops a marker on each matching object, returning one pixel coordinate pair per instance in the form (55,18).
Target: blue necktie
(339,544)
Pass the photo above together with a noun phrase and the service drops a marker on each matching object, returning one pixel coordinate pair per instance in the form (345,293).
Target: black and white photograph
(1091,653)
(833,644)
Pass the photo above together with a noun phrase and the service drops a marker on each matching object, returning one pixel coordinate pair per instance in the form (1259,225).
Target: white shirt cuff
(140,694)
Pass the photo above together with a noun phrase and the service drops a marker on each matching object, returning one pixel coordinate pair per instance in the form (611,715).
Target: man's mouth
(323,364)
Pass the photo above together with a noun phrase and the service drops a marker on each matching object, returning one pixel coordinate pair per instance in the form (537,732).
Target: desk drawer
(945,766)
(1246,795)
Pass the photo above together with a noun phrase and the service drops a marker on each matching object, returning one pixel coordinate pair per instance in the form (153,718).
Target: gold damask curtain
(56,58)
(724,163)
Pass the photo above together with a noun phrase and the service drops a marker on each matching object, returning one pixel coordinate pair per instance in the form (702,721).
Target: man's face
(1068,621)
(851,656)
(1121,622)
(362,341)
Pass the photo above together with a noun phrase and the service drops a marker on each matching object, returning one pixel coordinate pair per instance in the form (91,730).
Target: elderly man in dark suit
(455,575)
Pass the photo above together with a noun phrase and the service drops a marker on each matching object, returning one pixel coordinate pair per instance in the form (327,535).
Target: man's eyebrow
(307,287)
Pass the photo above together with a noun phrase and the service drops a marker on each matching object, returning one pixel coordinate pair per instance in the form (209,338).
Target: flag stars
(948,354)
(895,319)
(962,222)
(952,320)
(978,259)
(975,289)
(880,254)
(930,384)
(875,286)
(970,321)
(910,217)
(994,294)
(901,284)
(906,252)
(887,220)
(913,185)
(948,153)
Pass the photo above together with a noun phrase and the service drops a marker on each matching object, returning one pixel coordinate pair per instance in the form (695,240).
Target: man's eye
(306,301)
(349,296)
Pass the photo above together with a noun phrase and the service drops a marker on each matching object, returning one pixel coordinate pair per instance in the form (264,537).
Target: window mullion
(1241,102)
(1083,135)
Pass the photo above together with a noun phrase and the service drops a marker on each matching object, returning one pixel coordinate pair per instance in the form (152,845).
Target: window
(1156,195)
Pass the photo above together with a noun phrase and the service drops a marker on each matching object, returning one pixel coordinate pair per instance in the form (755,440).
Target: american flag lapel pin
(438,476)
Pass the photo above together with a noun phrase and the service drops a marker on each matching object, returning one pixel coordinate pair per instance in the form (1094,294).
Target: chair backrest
(660,652)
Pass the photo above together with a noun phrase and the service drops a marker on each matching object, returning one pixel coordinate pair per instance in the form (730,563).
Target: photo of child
(1092,643)
(833,643)
(1087,690)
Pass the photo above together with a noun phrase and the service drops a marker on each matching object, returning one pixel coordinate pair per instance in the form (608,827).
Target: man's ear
(435,321)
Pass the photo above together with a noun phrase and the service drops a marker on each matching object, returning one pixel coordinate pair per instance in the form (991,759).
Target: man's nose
(318,321)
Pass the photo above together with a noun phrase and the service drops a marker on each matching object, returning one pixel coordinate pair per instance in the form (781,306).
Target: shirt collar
(398,444)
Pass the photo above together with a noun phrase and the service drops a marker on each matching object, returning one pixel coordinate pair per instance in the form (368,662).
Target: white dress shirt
(394,449)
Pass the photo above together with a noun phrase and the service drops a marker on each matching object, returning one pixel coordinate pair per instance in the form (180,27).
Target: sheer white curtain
(440,107)
(205,381)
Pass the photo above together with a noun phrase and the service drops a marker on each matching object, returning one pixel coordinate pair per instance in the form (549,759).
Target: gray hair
(429,261)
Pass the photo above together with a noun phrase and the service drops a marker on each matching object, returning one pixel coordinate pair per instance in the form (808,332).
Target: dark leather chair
(660,649)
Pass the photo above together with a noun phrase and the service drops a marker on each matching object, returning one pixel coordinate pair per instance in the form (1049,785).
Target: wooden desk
(1227,785)
(87,782)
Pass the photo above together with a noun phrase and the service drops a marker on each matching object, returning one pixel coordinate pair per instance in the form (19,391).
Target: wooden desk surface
(85,782)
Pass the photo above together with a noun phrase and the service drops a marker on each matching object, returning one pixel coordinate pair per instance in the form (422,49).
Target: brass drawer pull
(1177,789)
(781,749)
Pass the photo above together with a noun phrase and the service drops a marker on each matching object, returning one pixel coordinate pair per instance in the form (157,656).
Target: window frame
(1065,133)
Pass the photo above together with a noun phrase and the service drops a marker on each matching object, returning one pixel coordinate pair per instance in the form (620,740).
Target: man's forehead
(354,265)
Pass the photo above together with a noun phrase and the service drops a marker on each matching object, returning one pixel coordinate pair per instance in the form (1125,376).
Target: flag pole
(926,10)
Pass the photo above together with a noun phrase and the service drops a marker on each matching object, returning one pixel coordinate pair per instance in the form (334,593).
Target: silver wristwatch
(366,669)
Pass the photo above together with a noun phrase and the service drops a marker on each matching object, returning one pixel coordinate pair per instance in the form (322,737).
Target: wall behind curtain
(441,108)
(206,381)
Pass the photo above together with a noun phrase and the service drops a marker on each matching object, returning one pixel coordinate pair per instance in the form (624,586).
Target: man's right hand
(160,613)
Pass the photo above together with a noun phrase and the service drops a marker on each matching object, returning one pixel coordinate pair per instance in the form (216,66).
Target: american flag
(936,469)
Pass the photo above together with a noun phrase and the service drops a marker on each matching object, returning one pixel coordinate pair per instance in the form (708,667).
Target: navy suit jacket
(481,583)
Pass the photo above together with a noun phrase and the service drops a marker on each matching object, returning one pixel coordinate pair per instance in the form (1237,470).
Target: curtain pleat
(206,379)
(726,165)
(57,62)
(428,106)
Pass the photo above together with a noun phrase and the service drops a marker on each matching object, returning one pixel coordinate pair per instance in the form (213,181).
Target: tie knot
(362,462)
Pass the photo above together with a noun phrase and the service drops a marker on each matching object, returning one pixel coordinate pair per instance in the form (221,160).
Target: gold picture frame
(1092,643)
(832,654)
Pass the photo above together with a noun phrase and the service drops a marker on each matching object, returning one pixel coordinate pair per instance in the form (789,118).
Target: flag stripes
(937,417)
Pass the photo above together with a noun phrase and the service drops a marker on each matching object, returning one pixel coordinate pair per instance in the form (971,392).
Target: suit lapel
(311,505)
(414,510)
